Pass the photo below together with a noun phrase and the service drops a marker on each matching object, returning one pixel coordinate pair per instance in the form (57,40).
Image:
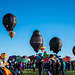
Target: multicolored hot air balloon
(9,21)
(51,59)
(67,58)
(11,34)
(3,55)
(55,44)
(46,60)
(36,41)
(73,50)
(42,48)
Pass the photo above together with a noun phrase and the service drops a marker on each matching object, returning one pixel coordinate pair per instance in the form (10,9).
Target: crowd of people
(52,67)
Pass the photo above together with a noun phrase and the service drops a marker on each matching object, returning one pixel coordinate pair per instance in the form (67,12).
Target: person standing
(40,67)
(34,66)
(58,64)
(63,67)
(53,68)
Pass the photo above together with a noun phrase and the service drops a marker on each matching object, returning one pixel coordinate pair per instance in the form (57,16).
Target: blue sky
(53,18)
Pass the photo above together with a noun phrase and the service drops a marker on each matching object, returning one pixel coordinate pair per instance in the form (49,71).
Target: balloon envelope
(25,60)
(19,60)
(36,40)
(45,51)
(11,34)
(3,55)
(67,58)
(46,60)
(14,57)
(73,50)
(42,48)
(38,57)
(33,57)
(51,59)
(9,21)
(55,44)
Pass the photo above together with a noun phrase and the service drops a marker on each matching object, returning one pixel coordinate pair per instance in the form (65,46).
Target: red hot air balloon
(45,51)
(11,34)
(73,50)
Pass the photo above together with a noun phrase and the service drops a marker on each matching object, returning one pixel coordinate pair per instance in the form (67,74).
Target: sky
(53,18)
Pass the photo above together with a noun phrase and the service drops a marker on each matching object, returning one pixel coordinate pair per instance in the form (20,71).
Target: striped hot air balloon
(51,59)
(42,48)
(3,55)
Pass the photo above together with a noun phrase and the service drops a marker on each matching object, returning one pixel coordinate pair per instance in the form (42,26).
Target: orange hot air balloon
(3,55)
(11,34)
(73,50)
(42,48)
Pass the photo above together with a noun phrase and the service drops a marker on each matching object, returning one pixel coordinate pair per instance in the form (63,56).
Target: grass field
(30,72)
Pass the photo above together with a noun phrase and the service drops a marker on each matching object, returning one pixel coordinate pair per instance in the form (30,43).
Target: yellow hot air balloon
(42,48)
(3,55)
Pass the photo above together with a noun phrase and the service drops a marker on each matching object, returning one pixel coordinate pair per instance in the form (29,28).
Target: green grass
(30,72)
(70,72)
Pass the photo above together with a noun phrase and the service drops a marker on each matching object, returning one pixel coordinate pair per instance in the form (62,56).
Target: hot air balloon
(73,50)
(33,57)
(42,48)
(46,60)
(3,55)
(9,21)
(45,51)
(11,34)
(25,60)
(55,44)
(14,57)
(67,58)
(36,41)
(51,59)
